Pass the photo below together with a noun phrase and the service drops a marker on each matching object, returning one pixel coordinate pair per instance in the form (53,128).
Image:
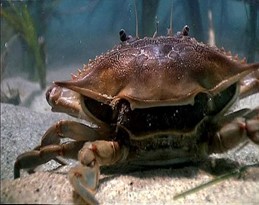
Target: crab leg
(237,131)
(69,129)
(85,177)
(250,84)
(35,158)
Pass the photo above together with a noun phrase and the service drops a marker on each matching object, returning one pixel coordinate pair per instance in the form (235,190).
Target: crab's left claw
(85,180)
(85,177)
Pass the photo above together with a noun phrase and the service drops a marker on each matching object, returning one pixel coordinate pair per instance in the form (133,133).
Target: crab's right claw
(85,179)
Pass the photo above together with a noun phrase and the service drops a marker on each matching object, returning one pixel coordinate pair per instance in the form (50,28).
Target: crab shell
(156,72)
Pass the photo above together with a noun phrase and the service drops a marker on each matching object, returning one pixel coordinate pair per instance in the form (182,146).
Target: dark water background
(75,31)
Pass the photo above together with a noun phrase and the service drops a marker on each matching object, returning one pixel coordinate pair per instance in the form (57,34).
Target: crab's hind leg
(235,131)
(85,176)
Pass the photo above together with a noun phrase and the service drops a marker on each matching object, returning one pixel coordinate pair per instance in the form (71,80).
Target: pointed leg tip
(85,180)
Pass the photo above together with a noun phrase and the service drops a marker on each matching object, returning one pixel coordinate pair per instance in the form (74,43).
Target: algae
(20,19)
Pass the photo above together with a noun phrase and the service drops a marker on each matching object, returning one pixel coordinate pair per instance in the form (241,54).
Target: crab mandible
(160,100)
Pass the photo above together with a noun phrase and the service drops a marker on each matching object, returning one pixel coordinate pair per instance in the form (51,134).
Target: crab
(151,101)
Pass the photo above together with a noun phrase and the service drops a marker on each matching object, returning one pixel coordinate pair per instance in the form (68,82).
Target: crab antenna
(136,18)
(170,30)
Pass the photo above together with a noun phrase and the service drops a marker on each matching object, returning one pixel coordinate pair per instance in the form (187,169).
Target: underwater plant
(20,19)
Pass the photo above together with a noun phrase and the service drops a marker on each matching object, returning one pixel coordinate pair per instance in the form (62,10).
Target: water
(75,31)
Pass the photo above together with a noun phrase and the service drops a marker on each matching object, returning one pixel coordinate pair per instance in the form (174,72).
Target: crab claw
(85,179)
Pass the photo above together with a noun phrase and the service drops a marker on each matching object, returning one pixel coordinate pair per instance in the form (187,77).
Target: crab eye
(98,109)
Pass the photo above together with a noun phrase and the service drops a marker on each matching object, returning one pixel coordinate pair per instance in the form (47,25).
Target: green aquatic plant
(234,173)
(21,21)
